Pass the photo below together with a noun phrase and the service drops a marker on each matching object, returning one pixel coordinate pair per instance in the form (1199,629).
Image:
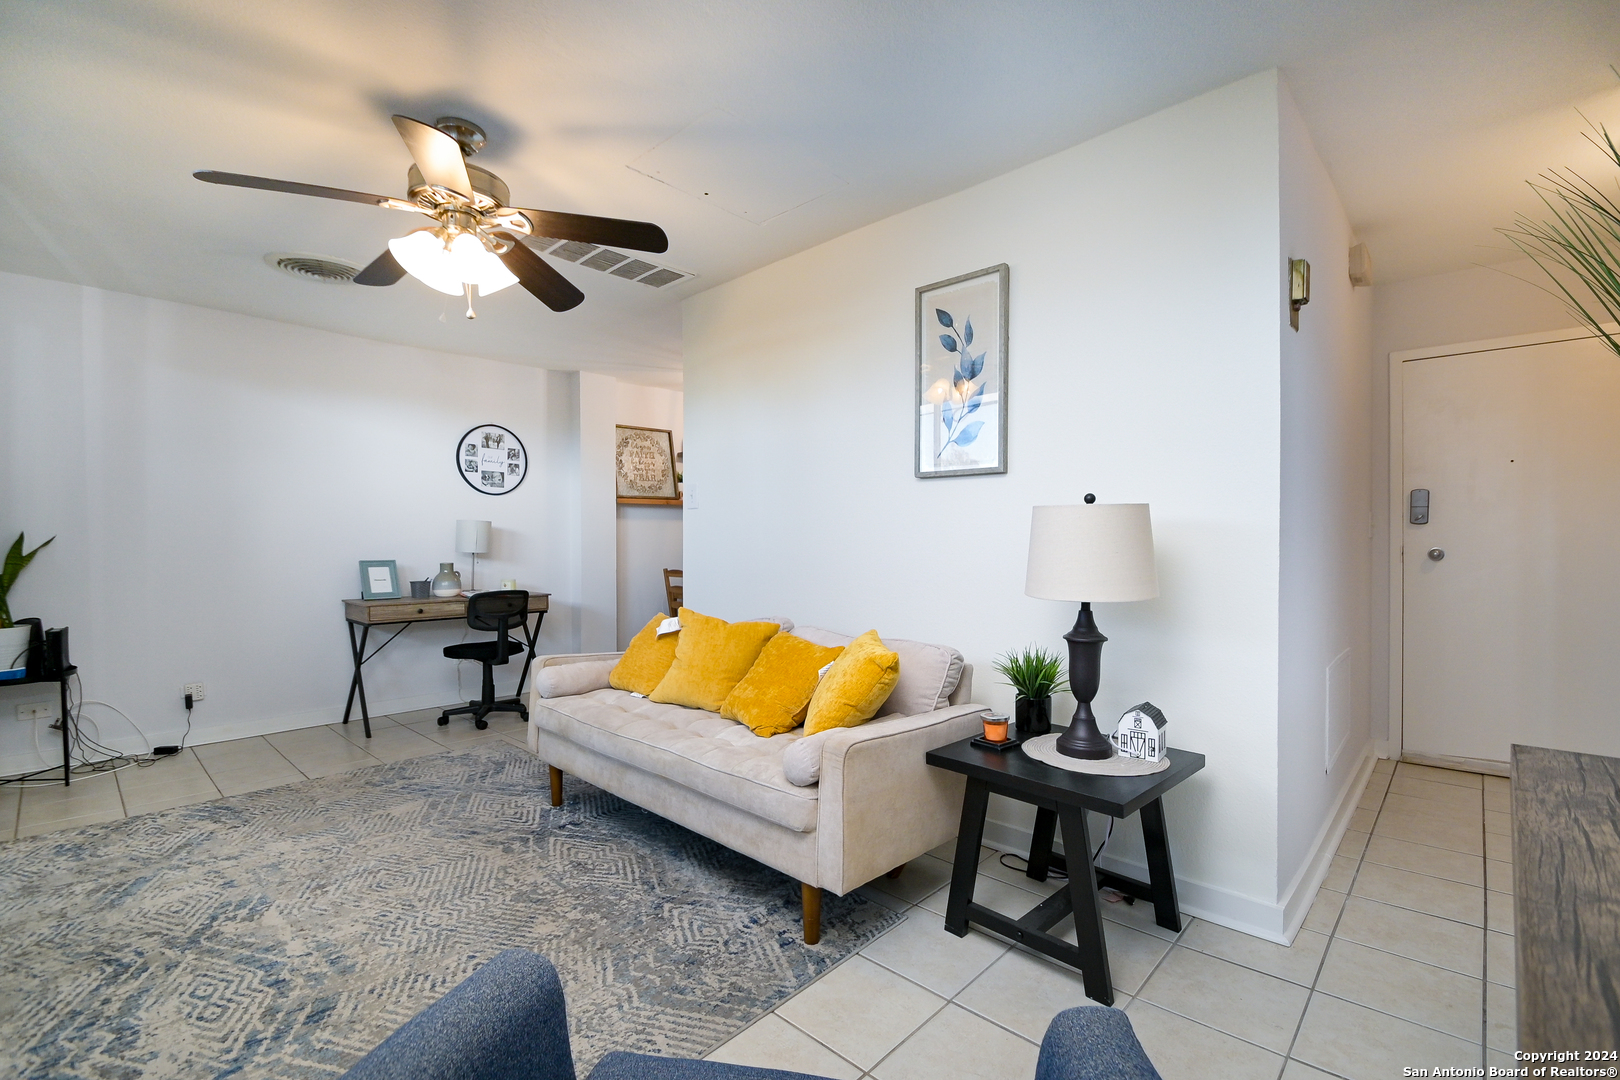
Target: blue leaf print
(968,433)
(944,317)
(967,332)
(946,414)
(975,401)
(948,341)
(972,365)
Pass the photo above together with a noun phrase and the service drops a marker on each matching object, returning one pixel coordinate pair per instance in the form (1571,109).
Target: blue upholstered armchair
(508,1021)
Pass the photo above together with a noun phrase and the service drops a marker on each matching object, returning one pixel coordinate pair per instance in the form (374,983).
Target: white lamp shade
(472,536)
(427,256)
(1097,553)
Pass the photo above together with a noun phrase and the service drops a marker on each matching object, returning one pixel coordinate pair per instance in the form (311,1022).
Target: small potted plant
(1033,673)
(13,638)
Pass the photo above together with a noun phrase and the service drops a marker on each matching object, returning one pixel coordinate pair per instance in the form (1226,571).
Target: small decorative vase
(1033,716)
(447,582)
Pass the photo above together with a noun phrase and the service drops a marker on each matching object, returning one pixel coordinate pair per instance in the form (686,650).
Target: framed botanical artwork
(379,579)
(644,465)
(961,402)
(491,459)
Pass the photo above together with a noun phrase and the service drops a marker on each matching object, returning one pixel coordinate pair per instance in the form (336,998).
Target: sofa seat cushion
(696,749)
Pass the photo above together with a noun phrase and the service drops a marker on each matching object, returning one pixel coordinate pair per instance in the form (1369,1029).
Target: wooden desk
(1566,900)
(1062,796)
(403,612)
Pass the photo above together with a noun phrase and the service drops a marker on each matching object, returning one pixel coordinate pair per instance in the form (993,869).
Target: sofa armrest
(881,804)
(550,659)
(505,1021)
(553,660)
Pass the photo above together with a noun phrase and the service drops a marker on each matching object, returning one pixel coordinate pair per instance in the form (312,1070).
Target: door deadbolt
(1437,554)
(1418,507)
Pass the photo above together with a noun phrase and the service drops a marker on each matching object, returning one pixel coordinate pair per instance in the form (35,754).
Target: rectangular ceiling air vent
(606,259)
(615,263)
(573,251)
(633,269)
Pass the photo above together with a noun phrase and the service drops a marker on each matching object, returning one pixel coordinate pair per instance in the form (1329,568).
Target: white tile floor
(1406,957)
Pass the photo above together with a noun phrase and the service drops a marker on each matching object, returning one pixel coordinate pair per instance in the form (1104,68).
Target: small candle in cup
(995,727)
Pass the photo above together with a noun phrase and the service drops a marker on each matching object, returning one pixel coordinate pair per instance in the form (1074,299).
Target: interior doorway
(1507,549)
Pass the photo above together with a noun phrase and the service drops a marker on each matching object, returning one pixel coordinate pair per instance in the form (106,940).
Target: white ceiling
(1429,114)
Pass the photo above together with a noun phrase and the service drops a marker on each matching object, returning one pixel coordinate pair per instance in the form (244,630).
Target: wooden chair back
(674,590)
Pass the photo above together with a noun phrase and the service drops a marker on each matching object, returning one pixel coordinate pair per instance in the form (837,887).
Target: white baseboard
(1301,892)
(1275,921)
(201,735)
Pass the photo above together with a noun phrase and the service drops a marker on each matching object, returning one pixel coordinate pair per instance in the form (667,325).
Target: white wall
(1326,524)
(1144,366)
(649,536)
(1478,304)
(214,479)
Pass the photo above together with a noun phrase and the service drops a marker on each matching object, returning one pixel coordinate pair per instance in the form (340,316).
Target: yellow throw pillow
(857,686)
(710,659)
(646,660)
(775,694)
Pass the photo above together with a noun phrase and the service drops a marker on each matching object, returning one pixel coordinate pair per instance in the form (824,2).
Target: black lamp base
(1082,739)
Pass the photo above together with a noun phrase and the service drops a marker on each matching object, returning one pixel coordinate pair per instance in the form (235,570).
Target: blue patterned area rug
(286,932)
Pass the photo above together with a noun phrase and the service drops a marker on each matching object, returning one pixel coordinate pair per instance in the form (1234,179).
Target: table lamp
(473,538)
(1095,553)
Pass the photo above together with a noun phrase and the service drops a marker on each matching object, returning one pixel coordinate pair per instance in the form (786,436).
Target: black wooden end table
(1062,798)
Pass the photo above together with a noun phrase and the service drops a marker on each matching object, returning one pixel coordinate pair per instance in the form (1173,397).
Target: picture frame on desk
(379,579)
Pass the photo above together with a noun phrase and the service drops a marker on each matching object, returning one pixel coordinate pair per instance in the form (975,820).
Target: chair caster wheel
(444,721)
(480,724)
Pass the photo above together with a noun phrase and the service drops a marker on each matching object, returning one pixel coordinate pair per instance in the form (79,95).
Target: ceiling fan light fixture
(449,261)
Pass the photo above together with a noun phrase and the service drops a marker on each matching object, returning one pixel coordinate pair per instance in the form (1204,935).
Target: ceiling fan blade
(384,270)
(640,235)
(541,278)
(436,154)
(264,183)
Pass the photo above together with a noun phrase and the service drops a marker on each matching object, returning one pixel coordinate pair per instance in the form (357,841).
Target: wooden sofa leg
(556,785)
(812,913)
(892,874)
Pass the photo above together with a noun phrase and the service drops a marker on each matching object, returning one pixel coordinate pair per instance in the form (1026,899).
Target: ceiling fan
(475,246)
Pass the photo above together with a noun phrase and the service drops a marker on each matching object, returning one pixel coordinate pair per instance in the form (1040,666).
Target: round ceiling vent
(313,267)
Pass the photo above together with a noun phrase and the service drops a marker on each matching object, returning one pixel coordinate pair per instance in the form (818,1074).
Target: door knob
(1437,554)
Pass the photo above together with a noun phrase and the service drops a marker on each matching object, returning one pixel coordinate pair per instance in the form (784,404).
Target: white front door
(1511,627)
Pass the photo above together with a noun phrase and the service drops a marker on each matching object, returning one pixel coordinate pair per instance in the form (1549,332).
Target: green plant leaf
(1032,672)
(15,561)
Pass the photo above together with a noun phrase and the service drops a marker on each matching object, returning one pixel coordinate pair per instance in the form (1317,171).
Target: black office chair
(500,611)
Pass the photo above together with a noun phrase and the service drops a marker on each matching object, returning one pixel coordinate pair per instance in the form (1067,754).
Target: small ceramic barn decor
(1140,733)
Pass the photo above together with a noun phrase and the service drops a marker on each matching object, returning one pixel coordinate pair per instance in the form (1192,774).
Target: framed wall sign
(961,403)
(644,464)
(491,459)
(379,579)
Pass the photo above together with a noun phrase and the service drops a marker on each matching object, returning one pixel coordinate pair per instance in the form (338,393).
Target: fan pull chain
(469,286)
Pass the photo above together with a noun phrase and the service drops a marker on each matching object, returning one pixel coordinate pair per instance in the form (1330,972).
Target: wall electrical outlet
(36,710)
(195,689)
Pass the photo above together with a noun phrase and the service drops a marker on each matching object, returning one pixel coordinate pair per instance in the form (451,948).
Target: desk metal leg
(67,756)
(358,682)
(1088,927)
(1040,845)
(529,659)
(1161,875)
(975,801)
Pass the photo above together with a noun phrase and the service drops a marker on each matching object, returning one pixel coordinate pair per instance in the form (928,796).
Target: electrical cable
(1053,871)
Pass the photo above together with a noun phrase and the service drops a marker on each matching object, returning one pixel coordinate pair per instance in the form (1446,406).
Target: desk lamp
(473,538)
(1095,553)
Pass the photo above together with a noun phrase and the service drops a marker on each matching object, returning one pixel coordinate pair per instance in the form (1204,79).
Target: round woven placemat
(1044,749)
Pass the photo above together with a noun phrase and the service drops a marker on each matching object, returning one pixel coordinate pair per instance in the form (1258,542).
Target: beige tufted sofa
(865,802)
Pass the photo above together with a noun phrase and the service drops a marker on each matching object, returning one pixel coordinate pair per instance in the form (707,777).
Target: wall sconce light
(1299,289)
